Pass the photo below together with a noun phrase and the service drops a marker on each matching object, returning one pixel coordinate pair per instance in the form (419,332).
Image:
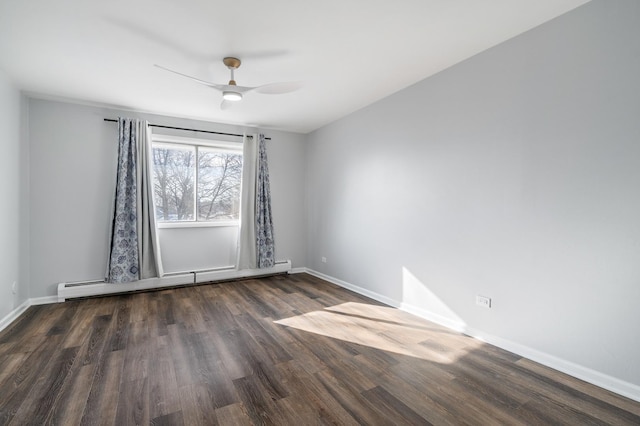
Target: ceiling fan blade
(279,88)
(206,83)
(225,104)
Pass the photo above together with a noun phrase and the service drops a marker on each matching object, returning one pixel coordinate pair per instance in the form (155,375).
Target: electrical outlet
(14,287)
(483,301)
(324,259)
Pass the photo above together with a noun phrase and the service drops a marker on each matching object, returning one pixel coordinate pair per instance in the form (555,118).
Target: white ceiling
(347,53)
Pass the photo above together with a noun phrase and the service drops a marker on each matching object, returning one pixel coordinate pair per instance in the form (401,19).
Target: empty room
(293,213)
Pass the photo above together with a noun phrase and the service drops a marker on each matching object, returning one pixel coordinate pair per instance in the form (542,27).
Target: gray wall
(515,175)
(72,173)
(12,222)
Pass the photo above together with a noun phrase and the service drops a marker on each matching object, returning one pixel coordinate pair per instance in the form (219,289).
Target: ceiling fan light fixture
(231,92)
(229,95)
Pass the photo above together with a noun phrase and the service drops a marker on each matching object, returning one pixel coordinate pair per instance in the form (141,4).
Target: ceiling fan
(231,92)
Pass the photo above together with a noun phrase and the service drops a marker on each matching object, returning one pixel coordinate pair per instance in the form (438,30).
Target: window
(196,180)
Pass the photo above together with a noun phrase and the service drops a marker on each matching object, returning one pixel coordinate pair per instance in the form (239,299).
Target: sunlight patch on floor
(384,328)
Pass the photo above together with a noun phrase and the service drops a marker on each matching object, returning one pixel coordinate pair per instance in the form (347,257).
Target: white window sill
(222,223)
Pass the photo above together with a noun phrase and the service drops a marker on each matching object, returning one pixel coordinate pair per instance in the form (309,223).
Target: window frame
(223,146)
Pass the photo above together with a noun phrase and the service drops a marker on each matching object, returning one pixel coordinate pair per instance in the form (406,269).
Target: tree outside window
(196,183)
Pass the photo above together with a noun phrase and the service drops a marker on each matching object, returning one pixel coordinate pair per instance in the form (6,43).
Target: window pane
(219,176)
(174,179)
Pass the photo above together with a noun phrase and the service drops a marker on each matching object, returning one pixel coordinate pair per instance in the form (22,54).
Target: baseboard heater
(101,288)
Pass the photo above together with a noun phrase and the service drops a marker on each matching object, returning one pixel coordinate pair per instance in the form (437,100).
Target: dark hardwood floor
(283,350)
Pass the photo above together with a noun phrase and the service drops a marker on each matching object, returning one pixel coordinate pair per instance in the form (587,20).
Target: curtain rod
(111,120)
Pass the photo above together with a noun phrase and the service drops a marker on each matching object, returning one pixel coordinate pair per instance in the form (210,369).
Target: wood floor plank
(257,304)
(133,403)
(199,364)
(275,297)
(16,388)
(102,403)
(391,407)
(307,359)
(213,372)
(285,350)
(163,387)
(276,352)
(271,380)
(10,363)
(49,315)
(73,399)
(188,314)
(218,316)
(61,325)
(180,354)
(139,309)
(137,351)
(602,395)
(561,392)
(562,395)
(121,326)
(101,306)
(422,389)
(326,349)
(540,410)
(351,399)
(43,395)
(349,369)
(261,409)
(197,406)
(233,415)
(82,325)
(97,338)
(233,364)
(171,419)
(249,352)
(309,396)
(437,392)
(272,294)
(233,301)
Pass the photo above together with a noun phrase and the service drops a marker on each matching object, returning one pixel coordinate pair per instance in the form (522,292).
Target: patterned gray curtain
(264,225)
(131,251)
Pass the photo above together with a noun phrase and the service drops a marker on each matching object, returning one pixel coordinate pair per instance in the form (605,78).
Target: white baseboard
(72,290)
(13,315)
(596,378)
(355,288)
(19,310)
(43,300)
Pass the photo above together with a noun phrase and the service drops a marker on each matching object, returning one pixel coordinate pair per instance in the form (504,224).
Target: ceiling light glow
(229,95)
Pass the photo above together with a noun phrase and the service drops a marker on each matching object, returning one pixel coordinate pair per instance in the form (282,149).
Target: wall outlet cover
(483,301)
